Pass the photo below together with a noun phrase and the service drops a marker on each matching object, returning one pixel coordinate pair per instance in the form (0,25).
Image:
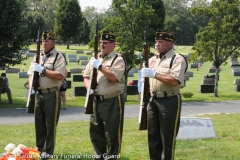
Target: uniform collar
(109,56)
(167,55)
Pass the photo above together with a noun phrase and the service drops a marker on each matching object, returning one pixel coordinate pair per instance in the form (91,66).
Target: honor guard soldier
(47,98)
(166,78)
(106,121)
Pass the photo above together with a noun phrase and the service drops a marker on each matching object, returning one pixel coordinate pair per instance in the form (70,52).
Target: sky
(96,3)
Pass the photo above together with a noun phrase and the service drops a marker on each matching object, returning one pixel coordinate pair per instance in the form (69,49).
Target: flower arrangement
(20,152)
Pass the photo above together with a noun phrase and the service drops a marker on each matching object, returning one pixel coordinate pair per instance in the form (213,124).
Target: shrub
(187,94)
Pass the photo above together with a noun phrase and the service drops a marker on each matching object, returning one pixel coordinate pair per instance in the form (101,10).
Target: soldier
(47,98)
(165,107)
(106,122)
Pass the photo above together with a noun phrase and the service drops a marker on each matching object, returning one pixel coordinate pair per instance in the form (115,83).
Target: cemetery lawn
(225,89)
(73,140)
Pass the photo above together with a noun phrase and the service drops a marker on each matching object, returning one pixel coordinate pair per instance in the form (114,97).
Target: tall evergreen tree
(68,20)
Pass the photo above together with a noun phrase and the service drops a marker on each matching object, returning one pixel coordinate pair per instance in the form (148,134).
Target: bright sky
(96,3)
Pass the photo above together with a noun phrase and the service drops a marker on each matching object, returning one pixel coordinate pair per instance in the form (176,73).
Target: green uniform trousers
(163,125)
(47,108)
(106,127)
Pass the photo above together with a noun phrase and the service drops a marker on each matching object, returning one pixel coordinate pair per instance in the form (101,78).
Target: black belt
(48,90)
(98,97)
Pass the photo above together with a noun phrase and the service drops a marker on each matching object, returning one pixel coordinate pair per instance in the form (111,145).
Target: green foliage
(68,19)
(187,94)
(220,38)
(14,32)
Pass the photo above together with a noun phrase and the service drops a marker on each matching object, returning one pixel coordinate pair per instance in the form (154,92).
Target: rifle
(34,83)
(145,93)
(92,79)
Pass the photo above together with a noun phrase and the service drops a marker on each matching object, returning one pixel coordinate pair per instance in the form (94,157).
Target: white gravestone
(195,128)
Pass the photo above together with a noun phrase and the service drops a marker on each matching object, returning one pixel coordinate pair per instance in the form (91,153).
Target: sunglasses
(104,43)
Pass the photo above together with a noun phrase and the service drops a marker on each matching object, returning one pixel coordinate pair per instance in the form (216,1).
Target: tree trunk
(216,82)
(125,86)
(67,44)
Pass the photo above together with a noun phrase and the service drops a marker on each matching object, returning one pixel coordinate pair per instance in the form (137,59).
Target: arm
(54,75)
(166,79)
(108,74)
(86,82)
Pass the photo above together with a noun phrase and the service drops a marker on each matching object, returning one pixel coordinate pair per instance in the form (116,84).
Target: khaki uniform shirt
(162,66)
(59,66)
(105,86)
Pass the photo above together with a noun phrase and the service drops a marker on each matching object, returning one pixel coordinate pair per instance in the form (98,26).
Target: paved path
(190,109)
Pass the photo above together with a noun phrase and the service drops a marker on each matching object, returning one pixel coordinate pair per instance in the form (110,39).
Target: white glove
(148,72)
(37,68)
(94,62)
(91,91)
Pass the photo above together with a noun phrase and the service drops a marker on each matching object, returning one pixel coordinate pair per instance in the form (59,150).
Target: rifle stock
(34,83)
(145,93)
(92,79)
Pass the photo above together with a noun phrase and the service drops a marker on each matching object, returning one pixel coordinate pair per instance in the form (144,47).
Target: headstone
(77,78)
(84,62)
(186,78)
(206,88)
(194,65)
(30,54)
(236,71)
(134,70)
(132,90)
(88,53)
(237,88)
(73,60)
(83,57)
(80,91)
(211,70)
(23,75)
(76,70)
(236,81)
(69,84)
(12,70)
(130,74)
(190,74)
(79,51)
(208,81)
(69,75)
(195,128)
(72,56)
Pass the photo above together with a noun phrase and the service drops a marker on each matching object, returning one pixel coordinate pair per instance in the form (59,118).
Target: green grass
(225,90)
(73,139)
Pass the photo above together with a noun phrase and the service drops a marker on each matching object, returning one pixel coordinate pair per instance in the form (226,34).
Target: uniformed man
(106,122)
(47,97)
(165,107)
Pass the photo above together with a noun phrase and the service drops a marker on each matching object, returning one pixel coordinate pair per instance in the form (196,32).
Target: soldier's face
(48,45)
(106,47)
(163,46)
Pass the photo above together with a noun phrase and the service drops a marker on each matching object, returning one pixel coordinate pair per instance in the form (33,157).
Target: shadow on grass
(17,102)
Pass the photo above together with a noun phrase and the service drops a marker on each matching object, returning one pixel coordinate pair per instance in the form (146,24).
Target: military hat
(164,35)
(108,36)
(48,35)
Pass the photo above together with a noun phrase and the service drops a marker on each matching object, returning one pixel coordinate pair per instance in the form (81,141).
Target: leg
(112,111)
(154,137)
(9,94)
(63,97)
(96,130)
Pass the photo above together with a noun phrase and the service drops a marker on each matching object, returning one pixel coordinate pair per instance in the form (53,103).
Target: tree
(128,24)
(220,38)
(35,20)
(14,32)
(68,20)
